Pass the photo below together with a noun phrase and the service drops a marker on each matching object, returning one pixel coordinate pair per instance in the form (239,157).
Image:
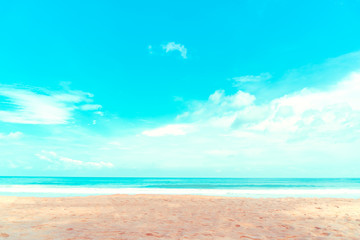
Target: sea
(230,187)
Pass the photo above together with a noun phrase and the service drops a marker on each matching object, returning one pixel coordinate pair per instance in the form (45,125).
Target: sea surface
(232,187)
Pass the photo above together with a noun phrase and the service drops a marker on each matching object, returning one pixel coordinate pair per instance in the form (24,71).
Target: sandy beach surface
(177,217)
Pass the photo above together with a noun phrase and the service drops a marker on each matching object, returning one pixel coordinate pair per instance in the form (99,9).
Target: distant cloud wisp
(54,158)
(90,107)
(150,48)
(172,46)
(252,78)
(11,135)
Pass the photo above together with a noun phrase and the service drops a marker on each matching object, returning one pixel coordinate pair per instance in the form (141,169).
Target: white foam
(81,191)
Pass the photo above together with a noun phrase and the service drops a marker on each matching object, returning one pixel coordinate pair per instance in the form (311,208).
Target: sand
(177,217)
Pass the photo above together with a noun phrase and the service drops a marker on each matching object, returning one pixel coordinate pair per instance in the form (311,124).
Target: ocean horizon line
(242,187)
(12,176)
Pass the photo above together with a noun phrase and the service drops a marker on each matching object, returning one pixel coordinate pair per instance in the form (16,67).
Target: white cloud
(99,113)
(15,134)
(239,99)
(333,109)
(11,135)
(172,130)
(90,107)
(172,46)
(28,106)
(295,131)
(57,160)
(219,109)
(71,96)
(252,78)
(150,48)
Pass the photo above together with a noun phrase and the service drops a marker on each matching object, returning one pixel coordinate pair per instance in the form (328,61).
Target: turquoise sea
(235,187)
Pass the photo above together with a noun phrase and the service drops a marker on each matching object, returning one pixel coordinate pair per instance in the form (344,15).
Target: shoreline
(44,191)
(177,217)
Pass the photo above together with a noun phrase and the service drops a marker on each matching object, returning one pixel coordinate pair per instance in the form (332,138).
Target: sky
(180,89)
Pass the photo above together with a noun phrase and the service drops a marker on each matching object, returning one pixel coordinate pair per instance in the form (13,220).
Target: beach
(177,217)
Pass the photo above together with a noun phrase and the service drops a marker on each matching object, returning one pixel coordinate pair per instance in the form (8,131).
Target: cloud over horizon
(229,134)
(60,161)
(289,131)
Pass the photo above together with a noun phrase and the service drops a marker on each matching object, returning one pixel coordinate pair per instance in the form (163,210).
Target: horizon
(180,177)
(249,89)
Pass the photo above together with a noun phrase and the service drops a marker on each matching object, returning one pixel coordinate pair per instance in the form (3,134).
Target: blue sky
(139,88)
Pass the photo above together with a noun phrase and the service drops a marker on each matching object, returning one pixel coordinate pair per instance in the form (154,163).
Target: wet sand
(177,217)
